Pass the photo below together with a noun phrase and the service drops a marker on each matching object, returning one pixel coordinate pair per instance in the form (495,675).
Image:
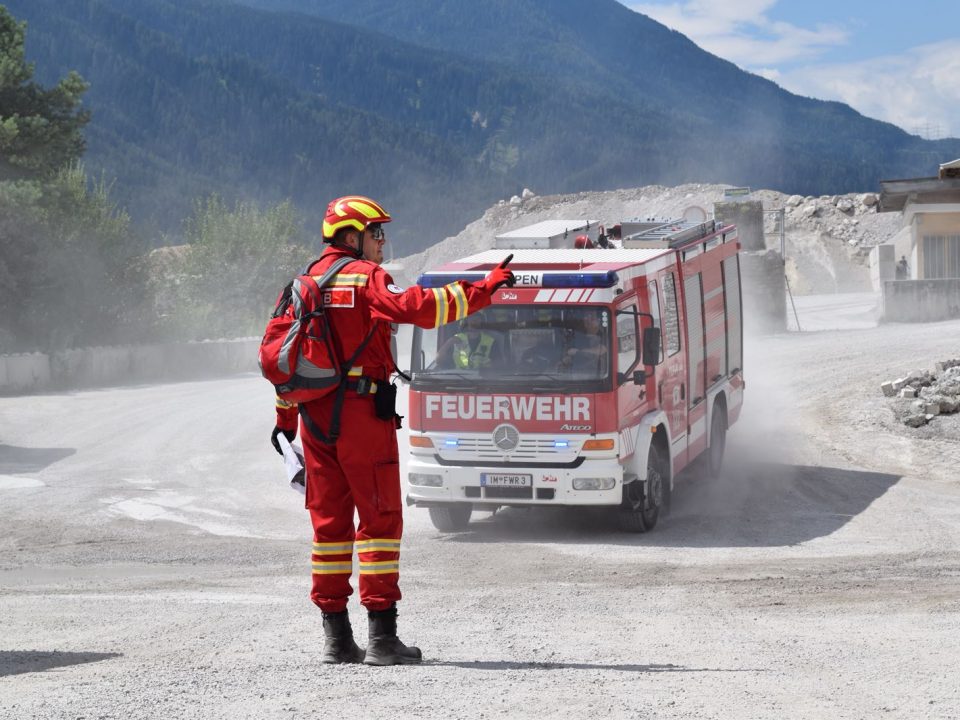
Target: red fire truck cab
(594,381)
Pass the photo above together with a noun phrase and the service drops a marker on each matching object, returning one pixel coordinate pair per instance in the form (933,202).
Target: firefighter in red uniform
(360,470)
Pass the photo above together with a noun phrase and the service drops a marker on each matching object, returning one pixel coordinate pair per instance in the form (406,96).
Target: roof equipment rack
(664,233)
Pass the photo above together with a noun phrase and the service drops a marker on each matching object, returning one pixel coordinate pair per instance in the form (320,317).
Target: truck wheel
(636,513)
(718,440)
(451,518)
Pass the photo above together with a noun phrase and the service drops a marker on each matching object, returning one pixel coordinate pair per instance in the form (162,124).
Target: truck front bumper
(430,483)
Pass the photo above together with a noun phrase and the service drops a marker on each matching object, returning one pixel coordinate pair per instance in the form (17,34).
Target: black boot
(338,645)
(383,645)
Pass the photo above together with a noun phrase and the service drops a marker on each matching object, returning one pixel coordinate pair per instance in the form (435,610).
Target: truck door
(697,359)
(671,375)
(631,398)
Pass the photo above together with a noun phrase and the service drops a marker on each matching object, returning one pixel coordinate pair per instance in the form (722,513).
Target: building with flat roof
(927,251)
(931,209)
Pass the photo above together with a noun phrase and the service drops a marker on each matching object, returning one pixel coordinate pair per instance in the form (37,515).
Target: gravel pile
(922,395)
(828,238)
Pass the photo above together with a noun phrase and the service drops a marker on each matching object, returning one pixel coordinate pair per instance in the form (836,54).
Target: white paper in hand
(293,461)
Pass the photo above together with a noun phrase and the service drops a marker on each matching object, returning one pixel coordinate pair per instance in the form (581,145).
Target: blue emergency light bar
(529,278)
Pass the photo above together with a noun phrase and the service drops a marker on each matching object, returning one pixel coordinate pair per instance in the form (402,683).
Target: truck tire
(451,518)
(718,440)
(636,514)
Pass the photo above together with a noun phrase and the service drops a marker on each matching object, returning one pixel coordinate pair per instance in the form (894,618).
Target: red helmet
(352,211)
(582,242)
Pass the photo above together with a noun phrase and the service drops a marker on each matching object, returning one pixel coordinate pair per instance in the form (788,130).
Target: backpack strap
(338,398)
(324,280)
(334,268)
(334,433)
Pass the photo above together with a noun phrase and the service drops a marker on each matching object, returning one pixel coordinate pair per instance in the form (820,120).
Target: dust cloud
(766,448)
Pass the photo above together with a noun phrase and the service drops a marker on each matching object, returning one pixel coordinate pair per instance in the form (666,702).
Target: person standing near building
(360,472)
(903,269)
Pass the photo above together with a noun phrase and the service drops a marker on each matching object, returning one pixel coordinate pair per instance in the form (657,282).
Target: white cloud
(916,89)
(742,33)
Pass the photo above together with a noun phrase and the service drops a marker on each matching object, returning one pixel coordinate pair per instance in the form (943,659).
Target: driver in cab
(588,351)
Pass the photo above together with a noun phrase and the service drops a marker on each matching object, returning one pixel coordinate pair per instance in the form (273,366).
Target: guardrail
(106,366)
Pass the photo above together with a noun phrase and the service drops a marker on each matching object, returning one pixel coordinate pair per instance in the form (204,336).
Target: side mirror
(651,346)
(639,377)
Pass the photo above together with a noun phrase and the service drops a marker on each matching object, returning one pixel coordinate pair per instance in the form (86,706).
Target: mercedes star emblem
(506,438)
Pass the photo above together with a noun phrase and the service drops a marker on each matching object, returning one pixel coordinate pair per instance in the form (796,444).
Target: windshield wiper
(537,375)
(445,374)
(446,380)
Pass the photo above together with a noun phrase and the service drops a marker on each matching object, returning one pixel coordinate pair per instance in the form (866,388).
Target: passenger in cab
(473,348)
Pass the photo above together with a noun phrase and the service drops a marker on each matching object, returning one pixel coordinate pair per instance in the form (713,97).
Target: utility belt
(384,395)
(364,385)
(383,392)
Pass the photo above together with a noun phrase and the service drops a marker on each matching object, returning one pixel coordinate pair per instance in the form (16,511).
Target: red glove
(499,276)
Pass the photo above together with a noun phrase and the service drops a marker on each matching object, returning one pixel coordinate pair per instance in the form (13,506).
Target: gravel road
(154,564)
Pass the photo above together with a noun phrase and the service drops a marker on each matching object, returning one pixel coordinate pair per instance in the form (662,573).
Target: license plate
(505,480)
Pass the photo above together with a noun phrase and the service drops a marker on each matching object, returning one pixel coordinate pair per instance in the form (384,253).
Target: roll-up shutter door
(731,281)
(695,345)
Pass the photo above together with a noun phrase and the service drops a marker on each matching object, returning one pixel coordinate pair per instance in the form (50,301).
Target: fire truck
(594,381)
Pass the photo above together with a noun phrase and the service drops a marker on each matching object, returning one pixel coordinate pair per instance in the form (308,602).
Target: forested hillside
(75,273)
(755,131)
(183,107)
(435,108)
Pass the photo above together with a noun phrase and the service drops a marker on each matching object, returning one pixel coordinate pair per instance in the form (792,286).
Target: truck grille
(509,493)
(506,493)
(530,449)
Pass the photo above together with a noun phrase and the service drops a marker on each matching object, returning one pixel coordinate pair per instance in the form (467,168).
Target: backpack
(298,351)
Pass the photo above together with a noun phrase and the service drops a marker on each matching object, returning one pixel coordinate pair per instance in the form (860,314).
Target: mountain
(181,108)
(602,43)
(437,108)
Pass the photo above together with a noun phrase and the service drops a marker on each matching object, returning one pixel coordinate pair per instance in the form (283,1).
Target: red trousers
(361,473)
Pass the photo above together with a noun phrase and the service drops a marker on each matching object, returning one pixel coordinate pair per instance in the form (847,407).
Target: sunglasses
(376,232)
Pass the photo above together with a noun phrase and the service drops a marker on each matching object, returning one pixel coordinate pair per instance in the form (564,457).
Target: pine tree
(40,128)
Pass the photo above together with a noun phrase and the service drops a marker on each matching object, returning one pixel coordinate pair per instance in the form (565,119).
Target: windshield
(536,348)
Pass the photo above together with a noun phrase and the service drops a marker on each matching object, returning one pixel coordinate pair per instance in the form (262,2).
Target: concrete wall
(921,300)
(883,265)
(762,273)
(747,215)
(764,292)
(106,366)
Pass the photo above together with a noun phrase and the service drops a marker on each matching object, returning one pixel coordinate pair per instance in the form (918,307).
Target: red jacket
(363,293)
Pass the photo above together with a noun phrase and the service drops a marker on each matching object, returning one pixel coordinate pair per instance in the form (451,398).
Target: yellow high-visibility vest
(480,357)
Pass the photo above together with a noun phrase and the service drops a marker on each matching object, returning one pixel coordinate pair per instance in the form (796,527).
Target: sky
(893,61)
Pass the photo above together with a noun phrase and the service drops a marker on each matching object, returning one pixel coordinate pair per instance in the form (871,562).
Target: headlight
(424,480)
(594,483)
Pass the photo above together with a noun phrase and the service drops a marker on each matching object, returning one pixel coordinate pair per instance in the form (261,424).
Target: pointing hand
(500,275)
